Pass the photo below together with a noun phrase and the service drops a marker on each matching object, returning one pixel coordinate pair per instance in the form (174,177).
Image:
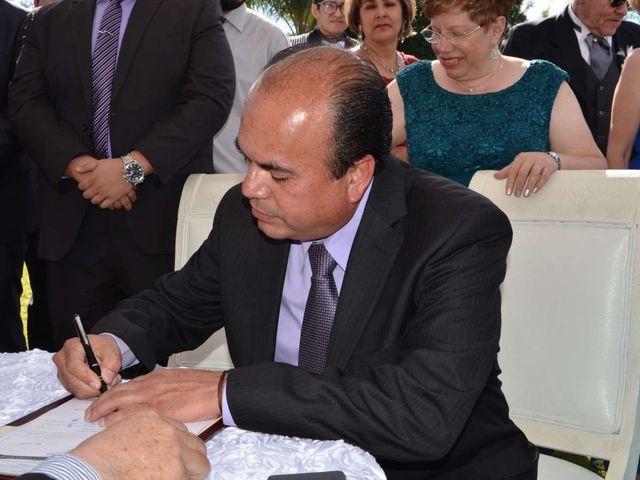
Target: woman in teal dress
(475,109)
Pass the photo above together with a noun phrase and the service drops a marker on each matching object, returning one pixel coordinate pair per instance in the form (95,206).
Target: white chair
(570,345)
(200,198)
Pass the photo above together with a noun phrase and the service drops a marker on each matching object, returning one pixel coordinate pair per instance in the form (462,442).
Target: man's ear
(359,177)
(315,11)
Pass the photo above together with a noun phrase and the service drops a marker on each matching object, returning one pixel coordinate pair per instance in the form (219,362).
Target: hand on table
(74,372)
(186,395)
(145,446)
(528,173)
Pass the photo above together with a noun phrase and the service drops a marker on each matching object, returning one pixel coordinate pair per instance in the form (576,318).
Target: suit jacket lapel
(82,25)
(620,47)
(372,255)
(266,297)
(141,15)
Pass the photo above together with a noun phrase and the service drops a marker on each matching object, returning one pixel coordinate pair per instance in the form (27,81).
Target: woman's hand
(528,173)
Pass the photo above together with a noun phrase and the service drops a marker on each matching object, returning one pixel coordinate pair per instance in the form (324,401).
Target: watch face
(134,173)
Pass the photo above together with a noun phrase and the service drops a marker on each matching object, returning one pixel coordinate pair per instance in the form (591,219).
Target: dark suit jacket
(17,172)
(411,372)
(172,92)
(554,39)
(314,39)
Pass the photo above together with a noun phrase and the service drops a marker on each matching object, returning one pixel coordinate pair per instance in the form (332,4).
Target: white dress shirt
(254,41)
(582,34)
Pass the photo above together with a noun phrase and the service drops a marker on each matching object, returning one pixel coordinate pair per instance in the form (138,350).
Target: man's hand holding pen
(74,371)
(182,394)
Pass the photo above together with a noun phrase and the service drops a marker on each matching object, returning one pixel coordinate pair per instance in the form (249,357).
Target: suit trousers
(103,266)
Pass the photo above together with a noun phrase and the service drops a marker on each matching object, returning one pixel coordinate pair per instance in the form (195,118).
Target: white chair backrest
(200,198)
(570,344)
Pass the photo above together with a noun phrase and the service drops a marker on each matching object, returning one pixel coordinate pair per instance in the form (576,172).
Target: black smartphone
(335,475)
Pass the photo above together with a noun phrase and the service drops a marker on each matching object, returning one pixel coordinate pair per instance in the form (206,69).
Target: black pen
(88,351)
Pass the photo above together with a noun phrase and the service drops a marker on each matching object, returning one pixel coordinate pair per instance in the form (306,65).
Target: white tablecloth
(28,381)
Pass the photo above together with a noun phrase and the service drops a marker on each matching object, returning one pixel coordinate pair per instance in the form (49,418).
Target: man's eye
(457,34)
(279,179)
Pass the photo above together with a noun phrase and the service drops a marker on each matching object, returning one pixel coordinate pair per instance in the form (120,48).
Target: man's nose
(622,9)
(254,185)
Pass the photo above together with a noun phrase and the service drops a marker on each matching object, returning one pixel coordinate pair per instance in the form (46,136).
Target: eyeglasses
(454,37)
(331,7)
(619,3)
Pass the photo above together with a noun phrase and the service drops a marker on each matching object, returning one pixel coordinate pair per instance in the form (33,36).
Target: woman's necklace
(474,88)
(392,70)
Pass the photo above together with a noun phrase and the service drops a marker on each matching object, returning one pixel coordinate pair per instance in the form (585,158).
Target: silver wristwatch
(556,158)
(132,171)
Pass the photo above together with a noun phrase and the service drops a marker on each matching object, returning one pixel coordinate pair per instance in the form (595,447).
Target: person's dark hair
(352,14)
(229,5)
(358,102)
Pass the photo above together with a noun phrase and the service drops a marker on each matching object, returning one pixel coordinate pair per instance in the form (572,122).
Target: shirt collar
(581,29)
(238,17)
(339,243)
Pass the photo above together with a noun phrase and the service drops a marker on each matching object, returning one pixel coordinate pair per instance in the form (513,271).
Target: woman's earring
(360,36)
(494,54)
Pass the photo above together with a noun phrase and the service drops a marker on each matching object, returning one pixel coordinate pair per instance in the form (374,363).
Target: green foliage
(295,13)
(24,299)
(518,12)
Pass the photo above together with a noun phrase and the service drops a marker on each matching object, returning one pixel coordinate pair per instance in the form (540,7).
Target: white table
(28,381)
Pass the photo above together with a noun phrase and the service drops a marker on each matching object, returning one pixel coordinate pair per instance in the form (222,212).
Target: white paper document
(58,431)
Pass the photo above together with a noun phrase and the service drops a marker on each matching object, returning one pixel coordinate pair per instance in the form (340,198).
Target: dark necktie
(600,54)
(102,72)
(319,311)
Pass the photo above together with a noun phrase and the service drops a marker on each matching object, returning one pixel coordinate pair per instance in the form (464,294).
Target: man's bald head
(339,86)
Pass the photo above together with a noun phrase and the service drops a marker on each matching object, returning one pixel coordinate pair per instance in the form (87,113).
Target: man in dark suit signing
(360,296)
(116,101)
(590,41)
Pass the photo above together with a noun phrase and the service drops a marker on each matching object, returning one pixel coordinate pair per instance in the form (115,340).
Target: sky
(554,6)
(534,12)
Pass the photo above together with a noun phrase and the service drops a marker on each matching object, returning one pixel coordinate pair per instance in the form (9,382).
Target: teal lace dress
(456,135)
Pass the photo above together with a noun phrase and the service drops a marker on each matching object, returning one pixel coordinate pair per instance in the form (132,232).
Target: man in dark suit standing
(590,41)
(117,102)
(360,296)
(17,191)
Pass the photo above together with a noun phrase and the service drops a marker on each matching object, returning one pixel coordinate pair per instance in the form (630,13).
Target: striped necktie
(319,311)
(103,70)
